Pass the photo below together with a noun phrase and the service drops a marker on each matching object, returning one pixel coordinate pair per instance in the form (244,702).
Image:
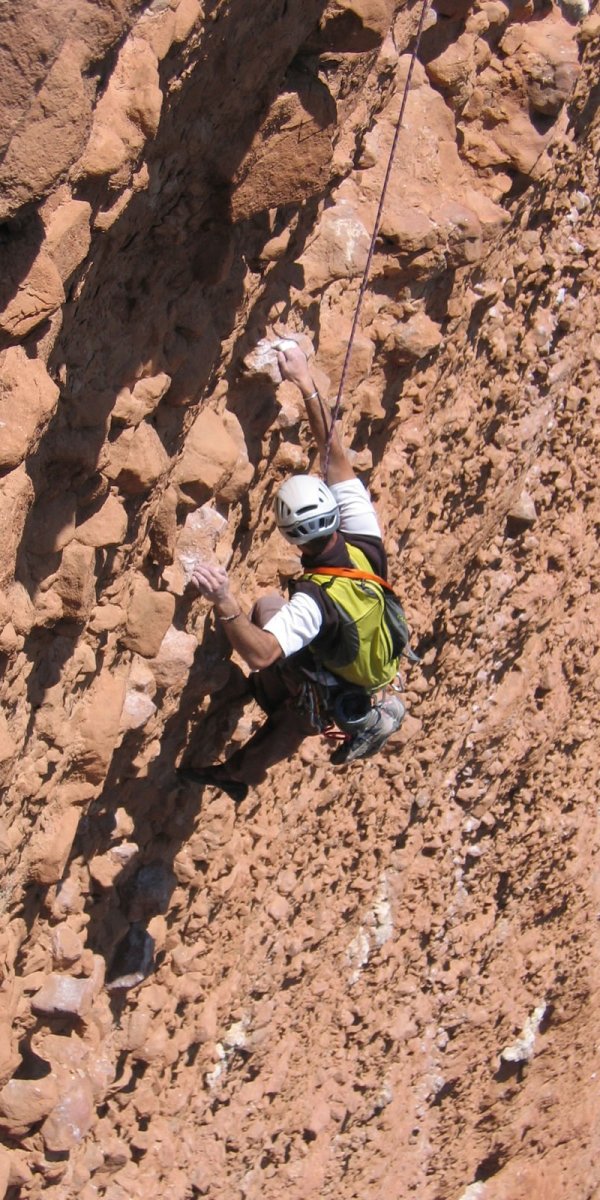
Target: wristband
(234,617)
(313,396)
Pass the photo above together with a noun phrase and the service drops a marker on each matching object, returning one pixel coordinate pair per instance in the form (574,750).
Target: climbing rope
(365,279)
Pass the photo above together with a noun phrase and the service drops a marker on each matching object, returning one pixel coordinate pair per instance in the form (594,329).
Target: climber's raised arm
(293,366)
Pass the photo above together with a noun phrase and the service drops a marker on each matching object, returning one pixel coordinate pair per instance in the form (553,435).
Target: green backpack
(374,629)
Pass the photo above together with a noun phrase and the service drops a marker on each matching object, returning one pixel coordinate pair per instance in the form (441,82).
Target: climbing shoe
(215,777)
(387,718)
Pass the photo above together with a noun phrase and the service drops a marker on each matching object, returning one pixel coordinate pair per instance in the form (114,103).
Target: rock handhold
(24,1102)
(63,995)
(415,338)
(175,657)
(132,405)
(340,249)
(70,1120)
(521,515)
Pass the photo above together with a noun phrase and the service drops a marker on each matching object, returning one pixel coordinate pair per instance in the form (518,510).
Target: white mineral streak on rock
(263,360)
(475,1191)
(382,911)
(358,953)
(137,710)
(521,1050)
(235,1038)
(202,530)
(378,926)
(172,664)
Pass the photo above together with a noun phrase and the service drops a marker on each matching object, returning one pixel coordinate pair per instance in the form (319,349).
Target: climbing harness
(365,279)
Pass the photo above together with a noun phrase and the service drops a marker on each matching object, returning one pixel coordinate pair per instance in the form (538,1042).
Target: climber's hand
(293,366)
(212,582)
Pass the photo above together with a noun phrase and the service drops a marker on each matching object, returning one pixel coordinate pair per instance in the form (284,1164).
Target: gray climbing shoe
(388,717)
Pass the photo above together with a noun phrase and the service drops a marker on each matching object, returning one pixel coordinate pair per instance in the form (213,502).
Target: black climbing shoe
(214,777)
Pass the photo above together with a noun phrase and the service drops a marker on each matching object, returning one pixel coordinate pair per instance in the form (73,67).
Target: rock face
(355,983)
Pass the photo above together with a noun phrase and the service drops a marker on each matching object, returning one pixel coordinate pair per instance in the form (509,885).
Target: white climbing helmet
(305,509)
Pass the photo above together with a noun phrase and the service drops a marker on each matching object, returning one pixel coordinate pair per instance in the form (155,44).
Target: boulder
(148,617)
(127,113)
(290,156)
(106,527)
(132,405)
(68,236)
(16,498)
(63,995)
(212,462)
(50,845)
(340,248)
(352,26)
(106,868)
(70,1120)
(415,338)
(38,294)
(138,459)
(76,581)
(94,725)
(24,1102)
(50,136)
(28,398)
(137,710)
(67,946)
(175,657)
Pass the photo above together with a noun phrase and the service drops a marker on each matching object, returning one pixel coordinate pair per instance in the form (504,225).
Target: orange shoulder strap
(349,573)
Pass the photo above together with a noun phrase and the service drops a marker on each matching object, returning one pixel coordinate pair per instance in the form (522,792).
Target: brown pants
(277,689)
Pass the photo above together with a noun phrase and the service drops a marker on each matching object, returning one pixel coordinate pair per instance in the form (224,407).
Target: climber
(293,648)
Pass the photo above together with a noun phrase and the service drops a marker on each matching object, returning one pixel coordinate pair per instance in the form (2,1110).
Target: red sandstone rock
(28,397)
(51,844)
(148,617)
(106,527)
(131,406)
(68,236)
(415,338)
(24,1102)
(94,725)
(66,995)
(67,945)
(429,898)
(75,583)
(290,156)
(71,1119)
(52,135)
(211,460)
(138,459)
(171,666)
(16,499)
(39,293)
